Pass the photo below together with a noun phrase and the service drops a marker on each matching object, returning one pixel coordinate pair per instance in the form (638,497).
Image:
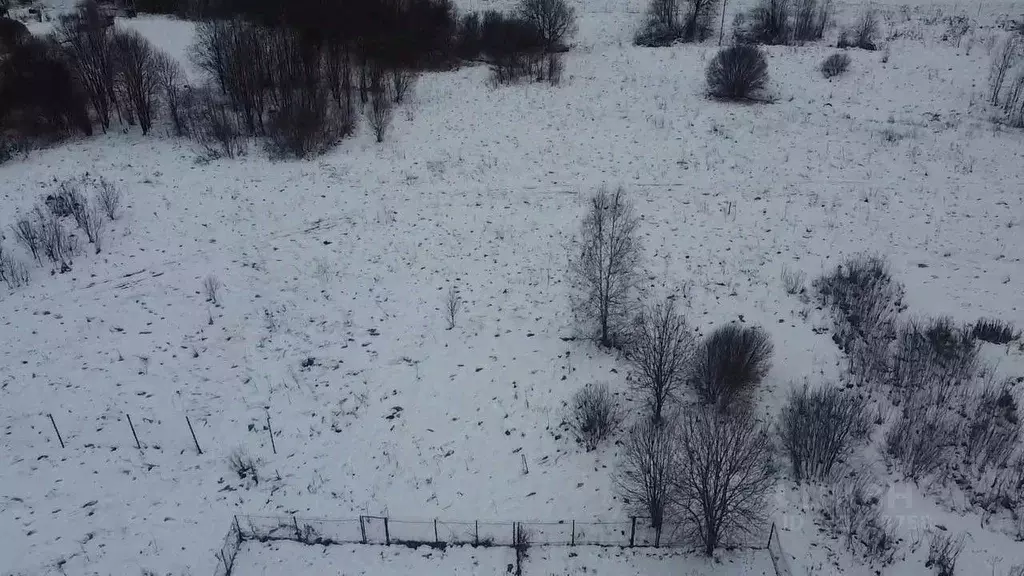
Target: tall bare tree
(554,19)
(660,351)
(644,476)
(723,474)
(169,79)
(138,69)
(606,265)
(85,36)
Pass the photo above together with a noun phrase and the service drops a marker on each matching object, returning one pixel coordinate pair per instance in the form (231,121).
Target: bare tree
(660,350)
(211,289)
(1002,62)
(554,19)
(169,75)
(402,82)
(700,19)
(606,266)
(452,305)
(643,479)
(27,233)
(662,26)
(85,36)
(723,473)
(138,74)
(818,428)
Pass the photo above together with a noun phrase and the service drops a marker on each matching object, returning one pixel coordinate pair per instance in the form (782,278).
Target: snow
(346,260)
(274,558)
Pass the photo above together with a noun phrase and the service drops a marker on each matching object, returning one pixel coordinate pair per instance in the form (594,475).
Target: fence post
(436,539)
(189,422)
(573,542)
(362,527)
(137,444)
(476,532)
(52,421)
(770,534)
(387,532)
(632,531)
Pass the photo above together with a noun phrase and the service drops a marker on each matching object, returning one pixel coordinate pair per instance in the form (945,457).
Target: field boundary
(635,532)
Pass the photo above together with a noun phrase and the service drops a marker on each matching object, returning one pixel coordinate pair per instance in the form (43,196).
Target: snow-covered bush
(737,73)
(768,22)
(863,35)
(923,439)
(810,19)
(109,198)
(244,465)
(995,331)
(592,415)
(994,428)
(943,551)
(933,360)
(835,64)
(729,363)
(865,301)
(818,428)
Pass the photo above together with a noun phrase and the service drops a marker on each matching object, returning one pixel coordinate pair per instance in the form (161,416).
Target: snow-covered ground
(274,558)
(334,273)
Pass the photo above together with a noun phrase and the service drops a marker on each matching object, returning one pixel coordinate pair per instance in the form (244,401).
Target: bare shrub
(592,416)
(1005,57)
(211,289)
(994,428)
(380,115)
(13,271)
(864,34)
(793,281)
(555,20)
(513,46)
(660,350)
(59,246)
(729,363)
(934,361)
(865,301)
(818,428)
(109,197)
(835,65)
(722,476)
(27,233)
(943,551)
(922,439)
(994,331)
(214,126)
(737,73)
(244,465)
(306,126)
(137,74)
(93,225)
(810,19)
(605,266)
(1013,104)
(643,478)
(452,306)
(853,512)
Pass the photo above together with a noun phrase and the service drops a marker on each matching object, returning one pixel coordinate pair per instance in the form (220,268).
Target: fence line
(636,532)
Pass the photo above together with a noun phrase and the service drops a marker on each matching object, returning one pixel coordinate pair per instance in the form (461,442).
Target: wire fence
(636,532)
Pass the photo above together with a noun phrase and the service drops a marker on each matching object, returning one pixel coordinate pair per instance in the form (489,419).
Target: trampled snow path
(335,270)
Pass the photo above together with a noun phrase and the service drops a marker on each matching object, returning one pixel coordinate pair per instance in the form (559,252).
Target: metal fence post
(573,541)
(387,532)
(436,539)
(632,531)
(362,527)
(770,534)
(476,533)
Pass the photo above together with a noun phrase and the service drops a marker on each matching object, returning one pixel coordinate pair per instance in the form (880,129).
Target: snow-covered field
(334,273)
(275,558)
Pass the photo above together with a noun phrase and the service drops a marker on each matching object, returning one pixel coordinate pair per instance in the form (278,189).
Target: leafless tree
(728,364)
(723,474)
(554,19)
(402,82)
(643,479)
(700,19)
(169,80)
(211,289)
(109,198)
(85,36)
(137,68)
(13,271)
(606,265)
(1005,57)
(818,427)
(663,25)
(660,350)
(452,306)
